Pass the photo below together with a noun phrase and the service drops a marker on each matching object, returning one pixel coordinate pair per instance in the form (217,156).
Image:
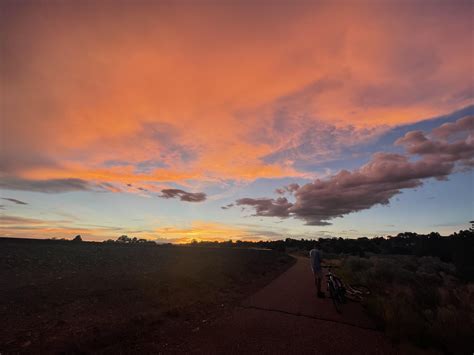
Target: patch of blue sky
(141,167)
(436,204)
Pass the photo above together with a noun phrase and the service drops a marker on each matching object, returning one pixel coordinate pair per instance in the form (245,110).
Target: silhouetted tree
(123,239)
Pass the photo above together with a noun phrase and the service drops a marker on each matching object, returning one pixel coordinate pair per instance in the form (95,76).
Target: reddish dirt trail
(286,317)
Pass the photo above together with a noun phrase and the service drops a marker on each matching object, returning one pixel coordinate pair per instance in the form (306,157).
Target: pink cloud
(464,125)
(461,150)
(383,177)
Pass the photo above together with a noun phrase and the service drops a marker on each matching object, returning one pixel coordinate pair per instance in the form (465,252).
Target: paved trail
(286,317)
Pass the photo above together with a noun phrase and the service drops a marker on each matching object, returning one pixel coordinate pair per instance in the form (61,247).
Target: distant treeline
(457,248)
(125,239)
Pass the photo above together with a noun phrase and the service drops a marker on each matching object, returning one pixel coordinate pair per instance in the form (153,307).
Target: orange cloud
(198,88)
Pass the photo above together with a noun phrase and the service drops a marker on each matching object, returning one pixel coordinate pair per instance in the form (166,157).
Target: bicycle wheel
(360,289)
(335,297)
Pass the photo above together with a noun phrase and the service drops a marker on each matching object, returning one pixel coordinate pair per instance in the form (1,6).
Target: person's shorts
(317,273)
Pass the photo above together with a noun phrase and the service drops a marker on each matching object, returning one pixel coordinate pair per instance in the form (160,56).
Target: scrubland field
(416,300)
(66,296)
(106,297)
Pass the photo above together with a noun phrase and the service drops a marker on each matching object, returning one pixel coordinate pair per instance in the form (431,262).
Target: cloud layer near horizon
(383,177)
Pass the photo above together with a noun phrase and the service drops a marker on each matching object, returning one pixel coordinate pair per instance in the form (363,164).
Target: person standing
(315,256)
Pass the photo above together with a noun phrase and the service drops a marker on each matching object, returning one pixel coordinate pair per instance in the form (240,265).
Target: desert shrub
(409,264)
(358,264)
(452,327)
(416,299)
(433,265)
(383,271)
(426,296)
(403,320)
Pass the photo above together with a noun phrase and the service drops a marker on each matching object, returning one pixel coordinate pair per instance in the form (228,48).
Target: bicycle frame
(335,290)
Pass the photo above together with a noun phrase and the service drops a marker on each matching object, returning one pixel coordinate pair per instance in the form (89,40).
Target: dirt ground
(92,297)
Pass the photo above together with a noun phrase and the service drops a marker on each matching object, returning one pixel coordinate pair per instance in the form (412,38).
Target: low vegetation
(77,296)
(416,299)
(457,248)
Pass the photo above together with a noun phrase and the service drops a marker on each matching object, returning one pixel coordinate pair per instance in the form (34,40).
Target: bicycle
(336,289)
(357,293)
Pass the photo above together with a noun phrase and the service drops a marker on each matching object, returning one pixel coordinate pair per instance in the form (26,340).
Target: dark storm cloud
(183,195)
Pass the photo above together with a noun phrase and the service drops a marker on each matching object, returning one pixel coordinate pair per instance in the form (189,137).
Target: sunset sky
(235,119)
